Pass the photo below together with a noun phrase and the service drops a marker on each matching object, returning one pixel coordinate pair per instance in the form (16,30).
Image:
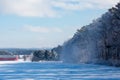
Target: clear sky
(45,23)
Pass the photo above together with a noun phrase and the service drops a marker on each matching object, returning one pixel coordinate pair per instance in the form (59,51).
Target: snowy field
(14,70)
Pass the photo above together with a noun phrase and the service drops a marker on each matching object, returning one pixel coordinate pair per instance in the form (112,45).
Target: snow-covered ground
(20,70)
(13,62)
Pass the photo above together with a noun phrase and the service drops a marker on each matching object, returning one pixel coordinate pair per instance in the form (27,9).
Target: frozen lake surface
(56,71)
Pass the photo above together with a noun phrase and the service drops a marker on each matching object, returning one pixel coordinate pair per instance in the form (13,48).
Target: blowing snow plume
(98,42)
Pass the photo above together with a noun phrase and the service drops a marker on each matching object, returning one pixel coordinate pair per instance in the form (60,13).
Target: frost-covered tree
(98,42)
(44,55)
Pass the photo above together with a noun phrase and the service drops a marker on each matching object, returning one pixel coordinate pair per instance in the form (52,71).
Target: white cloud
(72,5)
(84,4)
(47,8)
(42,29)
(102,3)
(41,8)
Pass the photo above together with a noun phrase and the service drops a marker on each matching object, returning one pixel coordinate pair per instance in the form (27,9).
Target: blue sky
(45,23)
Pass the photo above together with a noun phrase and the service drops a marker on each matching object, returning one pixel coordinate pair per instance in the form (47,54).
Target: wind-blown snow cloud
(42,29)
(48,8)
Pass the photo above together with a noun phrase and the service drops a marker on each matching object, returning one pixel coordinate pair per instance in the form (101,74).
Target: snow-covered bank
(13,62)
(22,61)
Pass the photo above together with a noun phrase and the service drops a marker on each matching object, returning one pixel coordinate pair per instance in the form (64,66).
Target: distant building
(7,56)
